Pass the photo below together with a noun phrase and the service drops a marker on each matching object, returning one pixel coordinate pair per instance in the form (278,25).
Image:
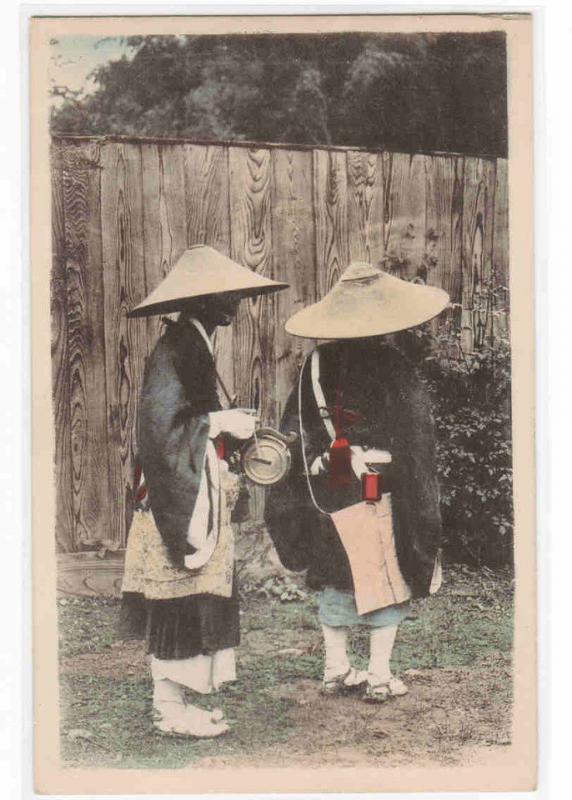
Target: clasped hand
(361,459)
(238,422)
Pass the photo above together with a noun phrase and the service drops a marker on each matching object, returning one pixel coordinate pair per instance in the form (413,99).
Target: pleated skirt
(181,627)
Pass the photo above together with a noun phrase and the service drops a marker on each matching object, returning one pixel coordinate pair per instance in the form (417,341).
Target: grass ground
(454,653)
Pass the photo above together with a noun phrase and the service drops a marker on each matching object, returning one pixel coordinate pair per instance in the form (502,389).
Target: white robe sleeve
(199,535)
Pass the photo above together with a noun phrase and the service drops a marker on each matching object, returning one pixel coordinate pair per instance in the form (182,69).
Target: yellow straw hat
(202,271)
(367,302)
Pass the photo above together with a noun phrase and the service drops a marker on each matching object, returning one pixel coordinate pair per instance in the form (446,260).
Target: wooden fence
(124,210)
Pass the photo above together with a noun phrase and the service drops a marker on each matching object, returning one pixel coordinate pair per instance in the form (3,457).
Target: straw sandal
(348,682)
(192,722)
(380,692)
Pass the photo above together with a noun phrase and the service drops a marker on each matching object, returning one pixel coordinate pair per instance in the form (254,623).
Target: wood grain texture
(254,326)
(65,541)
(330,218)
(164,217)
(478,225)
(86,343)
(251,239)
(444,196)
(365,206)
(208,222)
(124,212)
(501,254)
(90,574)
(125,339)
(404,214)
(293,243)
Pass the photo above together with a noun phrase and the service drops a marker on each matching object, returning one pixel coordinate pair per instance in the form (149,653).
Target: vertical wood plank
(125,340)
(478,223)
(206,192)
(293,245)
(501,251)
(251,238)
(330,218)
(60,367)
(251,245)
(86,338)
(404,215)
(365,206)
(164,217)
(444,220)
(456,276)
(207,211)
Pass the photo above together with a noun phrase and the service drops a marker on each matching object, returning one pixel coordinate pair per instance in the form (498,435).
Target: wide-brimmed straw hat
(368,302)
(202,271)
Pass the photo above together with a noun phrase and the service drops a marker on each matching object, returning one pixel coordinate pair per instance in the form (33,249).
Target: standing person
(179,589)
(360,507)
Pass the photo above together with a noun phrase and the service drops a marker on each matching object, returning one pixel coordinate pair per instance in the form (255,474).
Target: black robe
(380,385)
(179,391)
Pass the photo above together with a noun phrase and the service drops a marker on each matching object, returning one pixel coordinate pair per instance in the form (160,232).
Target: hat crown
(360,271)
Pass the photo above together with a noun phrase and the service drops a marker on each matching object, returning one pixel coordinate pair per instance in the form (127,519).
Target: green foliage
(282,587)
(414,93)
(86,625)
(471,396)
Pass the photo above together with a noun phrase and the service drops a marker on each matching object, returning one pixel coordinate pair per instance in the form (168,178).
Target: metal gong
(265,459)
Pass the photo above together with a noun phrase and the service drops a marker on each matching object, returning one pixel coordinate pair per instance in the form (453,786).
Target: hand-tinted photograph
(281,399)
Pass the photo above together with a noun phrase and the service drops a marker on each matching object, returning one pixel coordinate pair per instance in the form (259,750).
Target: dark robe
(380,385)
(179,391)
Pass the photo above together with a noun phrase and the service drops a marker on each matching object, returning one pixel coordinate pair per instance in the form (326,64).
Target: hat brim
(359,310)
(201,271)
(179,303)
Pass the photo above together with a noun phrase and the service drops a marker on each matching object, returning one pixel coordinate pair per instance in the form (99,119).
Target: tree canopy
(417,92)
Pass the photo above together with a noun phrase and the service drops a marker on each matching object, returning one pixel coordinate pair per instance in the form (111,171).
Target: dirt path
(454,654)
(448,713)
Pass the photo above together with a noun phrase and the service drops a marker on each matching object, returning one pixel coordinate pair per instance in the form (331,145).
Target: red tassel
(220,447)
(340,473)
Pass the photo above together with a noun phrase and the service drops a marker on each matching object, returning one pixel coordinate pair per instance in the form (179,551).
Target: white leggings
(381,641)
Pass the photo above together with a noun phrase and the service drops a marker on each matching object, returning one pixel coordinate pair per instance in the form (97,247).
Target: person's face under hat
(216,311)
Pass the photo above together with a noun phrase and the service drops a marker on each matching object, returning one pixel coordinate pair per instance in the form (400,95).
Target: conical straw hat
(367,302)
(202,271)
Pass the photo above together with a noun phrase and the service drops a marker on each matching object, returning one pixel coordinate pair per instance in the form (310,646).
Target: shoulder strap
(319,395)
(231,400)
(302,437)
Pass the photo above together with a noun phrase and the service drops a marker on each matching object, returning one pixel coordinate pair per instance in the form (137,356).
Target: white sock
(168,698)
(335,641)
(381,642)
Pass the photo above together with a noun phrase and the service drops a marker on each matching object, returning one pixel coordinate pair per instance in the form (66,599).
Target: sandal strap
(337,680)
(378,689)
(341,681)
(394,687)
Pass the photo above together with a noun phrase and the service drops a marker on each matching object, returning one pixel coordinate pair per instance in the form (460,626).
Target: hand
(319,465)
(240,423)
(359,459)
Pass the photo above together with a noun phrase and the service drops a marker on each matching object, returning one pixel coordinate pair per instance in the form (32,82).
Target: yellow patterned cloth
(150,571)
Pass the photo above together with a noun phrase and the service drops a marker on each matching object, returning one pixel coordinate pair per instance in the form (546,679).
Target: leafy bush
(471,404)
(282,587)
